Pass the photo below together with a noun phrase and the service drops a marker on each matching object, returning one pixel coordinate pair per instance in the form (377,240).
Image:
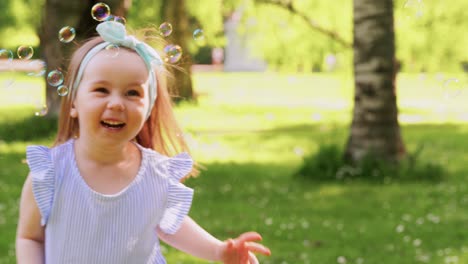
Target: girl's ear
(73,112)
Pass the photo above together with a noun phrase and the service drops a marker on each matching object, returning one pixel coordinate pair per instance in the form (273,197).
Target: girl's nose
(116,104)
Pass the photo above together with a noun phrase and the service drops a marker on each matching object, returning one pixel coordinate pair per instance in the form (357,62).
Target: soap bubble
(55,78)
(116,19)
(37,68)
(173,53)
(100,11)
(414,8)
(113,49)
(25,52)
(8,83)
(199,36)
(165,29)
(42,110)
(62,90)
(120,19)
(451,88)
(6,54)
(66,34)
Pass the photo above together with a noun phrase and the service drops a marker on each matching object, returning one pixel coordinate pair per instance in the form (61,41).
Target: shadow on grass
(430,147)
(442,142)
(18,126)
(328,164)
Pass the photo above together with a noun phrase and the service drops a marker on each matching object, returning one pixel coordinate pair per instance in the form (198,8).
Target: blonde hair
(160,132)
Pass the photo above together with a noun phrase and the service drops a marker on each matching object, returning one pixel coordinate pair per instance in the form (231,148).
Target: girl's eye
(101,90)
(133,93)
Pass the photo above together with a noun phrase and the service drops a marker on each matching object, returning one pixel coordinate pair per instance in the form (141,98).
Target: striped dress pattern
(85,226)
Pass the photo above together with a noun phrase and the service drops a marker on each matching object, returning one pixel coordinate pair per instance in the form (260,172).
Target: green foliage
(7,18)
(433,41)
(289,43)
(203,56)
(431,35)
(145,13)
(19,22)
(209,19)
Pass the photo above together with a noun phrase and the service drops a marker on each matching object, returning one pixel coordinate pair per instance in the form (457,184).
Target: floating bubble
(109,18)
(42,111)
(113,50)
(8,83)
(120,19)
(116,19)
(165,29)
(6,54)
(55,78)
(25,52)
(62,90)
(100,11)
(199,36)
(37,68)
(451,88)
(66,34)
(173,53)
(414,8)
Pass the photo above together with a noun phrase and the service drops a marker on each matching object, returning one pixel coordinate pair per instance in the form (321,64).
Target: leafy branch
(288,5)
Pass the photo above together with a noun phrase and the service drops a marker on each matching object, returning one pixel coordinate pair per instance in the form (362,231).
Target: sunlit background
(273,91)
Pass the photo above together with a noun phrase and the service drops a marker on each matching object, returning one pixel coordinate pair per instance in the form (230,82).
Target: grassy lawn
(250,131)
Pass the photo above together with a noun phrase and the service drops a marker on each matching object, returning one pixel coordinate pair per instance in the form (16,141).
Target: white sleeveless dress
(84,226)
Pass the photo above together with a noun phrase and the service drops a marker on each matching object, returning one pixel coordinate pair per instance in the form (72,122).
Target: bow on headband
(114,33)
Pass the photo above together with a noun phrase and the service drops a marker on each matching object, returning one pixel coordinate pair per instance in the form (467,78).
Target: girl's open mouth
(112,124)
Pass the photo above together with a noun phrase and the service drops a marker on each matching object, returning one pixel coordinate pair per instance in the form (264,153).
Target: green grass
(249,130)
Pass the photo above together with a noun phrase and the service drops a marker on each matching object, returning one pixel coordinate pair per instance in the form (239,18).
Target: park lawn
(250,130)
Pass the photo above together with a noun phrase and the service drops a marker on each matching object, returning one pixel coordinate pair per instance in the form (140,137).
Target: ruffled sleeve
(43,180)
(179,197)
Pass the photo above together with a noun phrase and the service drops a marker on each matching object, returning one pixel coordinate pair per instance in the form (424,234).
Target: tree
(174,12)
(76,14)
(374,129)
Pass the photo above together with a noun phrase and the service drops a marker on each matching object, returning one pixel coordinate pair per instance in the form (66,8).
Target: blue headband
(114,33)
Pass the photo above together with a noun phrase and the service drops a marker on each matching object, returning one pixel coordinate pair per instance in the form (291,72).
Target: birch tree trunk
(374,129)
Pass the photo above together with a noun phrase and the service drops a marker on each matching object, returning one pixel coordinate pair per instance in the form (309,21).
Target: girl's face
(112,99)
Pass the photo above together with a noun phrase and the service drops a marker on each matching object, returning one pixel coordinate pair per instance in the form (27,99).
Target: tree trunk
(174,12)
(76,14)
(374,130)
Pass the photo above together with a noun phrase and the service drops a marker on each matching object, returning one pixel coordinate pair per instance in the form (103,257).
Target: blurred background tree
(287,43)
(175,11)
(293,41)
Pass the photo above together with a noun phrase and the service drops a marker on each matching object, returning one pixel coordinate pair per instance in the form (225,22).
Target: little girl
(108,190)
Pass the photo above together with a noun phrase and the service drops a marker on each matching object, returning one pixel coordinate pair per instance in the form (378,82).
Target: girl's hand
(241,249)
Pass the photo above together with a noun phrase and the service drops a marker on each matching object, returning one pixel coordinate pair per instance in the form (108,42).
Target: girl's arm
(30,233)
(193,239)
